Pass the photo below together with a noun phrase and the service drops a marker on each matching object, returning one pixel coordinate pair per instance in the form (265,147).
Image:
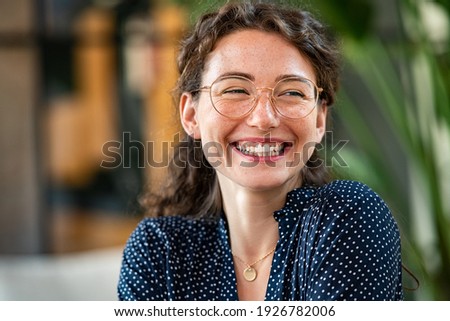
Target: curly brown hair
(191,188)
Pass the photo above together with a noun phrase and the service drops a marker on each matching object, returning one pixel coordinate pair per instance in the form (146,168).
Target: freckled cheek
(305,131)
(214,153)
(215,144)
(306,141)
(213,124)
(214,131)
(308,137)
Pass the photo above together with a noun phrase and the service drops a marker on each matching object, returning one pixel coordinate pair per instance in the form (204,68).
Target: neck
(253,229)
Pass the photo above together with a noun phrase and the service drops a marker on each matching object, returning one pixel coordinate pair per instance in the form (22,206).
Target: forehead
(264,55)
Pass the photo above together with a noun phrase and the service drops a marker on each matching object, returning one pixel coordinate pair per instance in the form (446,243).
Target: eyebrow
(252,78)
(281,77)
(240,74)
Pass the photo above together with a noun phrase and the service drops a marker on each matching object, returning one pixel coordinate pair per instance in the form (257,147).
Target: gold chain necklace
(250,273)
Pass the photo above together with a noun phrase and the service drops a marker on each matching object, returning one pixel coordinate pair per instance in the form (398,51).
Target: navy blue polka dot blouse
(336,242)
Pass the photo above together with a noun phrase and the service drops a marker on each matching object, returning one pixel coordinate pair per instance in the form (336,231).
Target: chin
(270,183)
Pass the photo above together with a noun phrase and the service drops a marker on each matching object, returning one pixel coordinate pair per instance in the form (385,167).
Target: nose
(264,115)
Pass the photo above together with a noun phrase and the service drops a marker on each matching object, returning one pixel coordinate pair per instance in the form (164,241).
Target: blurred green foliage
(408,81)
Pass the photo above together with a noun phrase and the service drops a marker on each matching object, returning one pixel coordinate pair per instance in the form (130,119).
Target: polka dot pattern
(337,242)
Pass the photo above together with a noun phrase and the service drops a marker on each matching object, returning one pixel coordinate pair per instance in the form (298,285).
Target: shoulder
(154,238)
(351,196)
(343,204)
(347,190)
(352,213)
(172,229)
(356,236)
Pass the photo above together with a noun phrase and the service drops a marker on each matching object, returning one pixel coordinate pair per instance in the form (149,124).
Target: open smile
(261,149)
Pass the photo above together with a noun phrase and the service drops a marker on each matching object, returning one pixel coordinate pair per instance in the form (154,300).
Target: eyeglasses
(236,96)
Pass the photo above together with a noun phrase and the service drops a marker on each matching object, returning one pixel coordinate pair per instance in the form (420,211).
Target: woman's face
(264,58)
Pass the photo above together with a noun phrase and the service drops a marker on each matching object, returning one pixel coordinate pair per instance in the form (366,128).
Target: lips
(262,149)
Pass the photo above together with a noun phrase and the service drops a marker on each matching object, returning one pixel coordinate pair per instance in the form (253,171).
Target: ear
(188,115)
(321,122)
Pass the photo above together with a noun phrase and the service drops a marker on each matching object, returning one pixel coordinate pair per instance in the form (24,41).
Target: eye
(292,93)
(234,91)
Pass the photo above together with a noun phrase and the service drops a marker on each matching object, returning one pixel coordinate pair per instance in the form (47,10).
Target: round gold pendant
(250,274)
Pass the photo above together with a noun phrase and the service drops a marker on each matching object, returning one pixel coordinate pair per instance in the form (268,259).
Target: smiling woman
(258,217)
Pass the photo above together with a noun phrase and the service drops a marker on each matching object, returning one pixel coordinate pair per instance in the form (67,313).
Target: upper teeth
(261,149)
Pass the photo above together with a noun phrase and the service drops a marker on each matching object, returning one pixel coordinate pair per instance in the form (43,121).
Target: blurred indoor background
(76,75)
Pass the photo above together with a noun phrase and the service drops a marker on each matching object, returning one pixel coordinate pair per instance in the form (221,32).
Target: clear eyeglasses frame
(237,96)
